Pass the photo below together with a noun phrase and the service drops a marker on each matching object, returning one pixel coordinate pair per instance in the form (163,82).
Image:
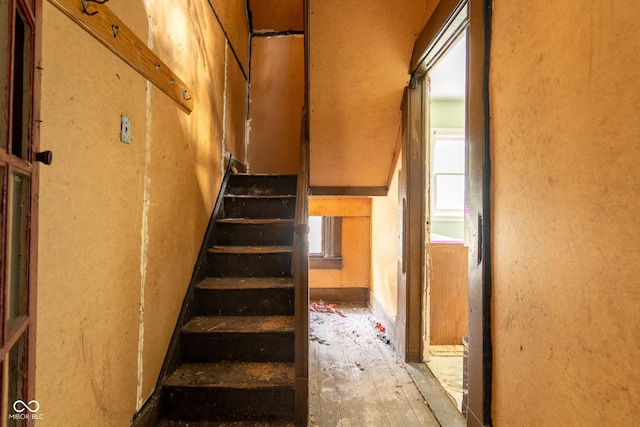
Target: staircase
(236,363)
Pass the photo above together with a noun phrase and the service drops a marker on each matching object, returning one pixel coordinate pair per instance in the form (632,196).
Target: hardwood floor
(356,379)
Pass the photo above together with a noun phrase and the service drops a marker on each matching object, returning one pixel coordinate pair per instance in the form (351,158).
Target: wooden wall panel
(359,62)
(233,18)
(236,108)
(89,227)
(277,15)
(356,242)
(277,97)
(121,224)
(449,293)
(565,203)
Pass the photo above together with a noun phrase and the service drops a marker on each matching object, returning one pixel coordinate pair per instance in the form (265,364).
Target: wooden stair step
(239,324)
(229,391)
(259,206)
(247,296)
(254,231)
(262,184)
(250,250)
(248,261)
(238,338)
(260,196)
(256,221)
(245,283)
(233,375)
(246,423)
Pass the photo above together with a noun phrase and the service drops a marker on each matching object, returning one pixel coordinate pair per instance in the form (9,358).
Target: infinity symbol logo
(26,406)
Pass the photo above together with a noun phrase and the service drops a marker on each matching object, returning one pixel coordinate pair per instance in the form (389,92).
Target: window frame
(443,135)
(330,258)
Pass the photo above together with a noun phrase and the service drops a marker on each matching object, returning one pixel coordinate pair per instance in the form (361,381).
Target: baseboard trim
(380,315)
(348,191)
(340,295)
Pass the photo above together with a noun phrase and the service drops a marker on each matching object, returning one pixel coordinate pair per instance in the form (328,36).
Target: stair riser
(238,347)
(251,302)
(218,404)
(262,185)
(281,207)
(248,265)
(255,234)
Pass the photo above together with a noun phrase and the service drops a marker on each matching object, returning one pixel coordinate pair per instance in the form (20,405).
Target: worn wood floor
(357,380)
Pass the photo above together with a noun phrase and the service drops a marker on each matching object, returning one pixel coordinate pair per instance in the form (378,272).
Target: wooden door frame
(478,218)
(414,253)
(477,199)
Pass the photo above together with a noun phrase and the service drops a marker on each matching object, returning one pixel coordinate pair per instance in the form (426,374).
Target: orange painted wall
(277,15)
(120,225)
(565,199)
(356,242)
(386,258)
(277,98)
(359,54)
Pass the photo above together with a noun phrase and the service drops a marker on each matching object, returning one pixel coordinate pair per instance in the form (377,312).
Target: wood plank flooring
(357,380)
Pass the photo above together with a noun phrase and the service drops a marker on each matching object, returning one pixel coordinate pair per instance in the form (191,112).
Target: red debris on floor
(322,308)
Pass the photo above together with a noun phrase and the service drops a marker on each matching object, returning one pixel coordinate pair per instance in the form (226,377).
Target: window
(447,168)
(325,242)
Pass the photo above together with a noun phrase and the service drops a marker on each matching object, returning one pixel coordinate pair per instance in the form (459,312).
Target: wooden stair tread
(237,353)
(269,175)
(228,283)
(256,221)
(250,249)
(239,324)
(241,375)
(247,423)
(260,196)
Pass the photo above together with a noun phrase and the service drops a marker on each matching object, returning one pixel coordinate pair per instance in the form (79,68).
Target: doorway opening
(446,307)
(451,22)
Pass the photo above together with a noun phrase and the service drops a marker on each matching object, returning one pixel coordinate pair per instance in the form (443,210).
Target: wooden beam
(99,21)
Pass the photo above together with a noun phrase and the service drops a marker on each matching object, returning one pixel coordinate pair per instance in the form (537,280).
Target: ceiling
(276,15)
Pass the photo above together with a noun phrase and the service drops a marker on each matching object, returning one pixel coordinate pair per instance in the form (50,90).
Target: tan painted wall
(233,17)
(277,15)
(120,225)
(277,98)
(566,195)
(386,217)
(358,70)
(356,242)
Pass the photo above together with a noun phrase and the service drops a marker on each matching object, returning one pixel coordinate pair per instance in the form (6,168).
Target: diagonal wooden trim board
(109,30)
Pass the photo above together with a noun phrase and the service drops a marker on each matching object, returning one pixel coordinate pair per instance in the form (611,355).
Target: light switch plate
(125,129)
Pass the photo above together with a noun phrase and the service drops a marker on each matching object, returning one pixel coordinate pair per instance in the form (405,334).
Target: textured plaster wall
(120,225)
(565,200)
(356,242)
